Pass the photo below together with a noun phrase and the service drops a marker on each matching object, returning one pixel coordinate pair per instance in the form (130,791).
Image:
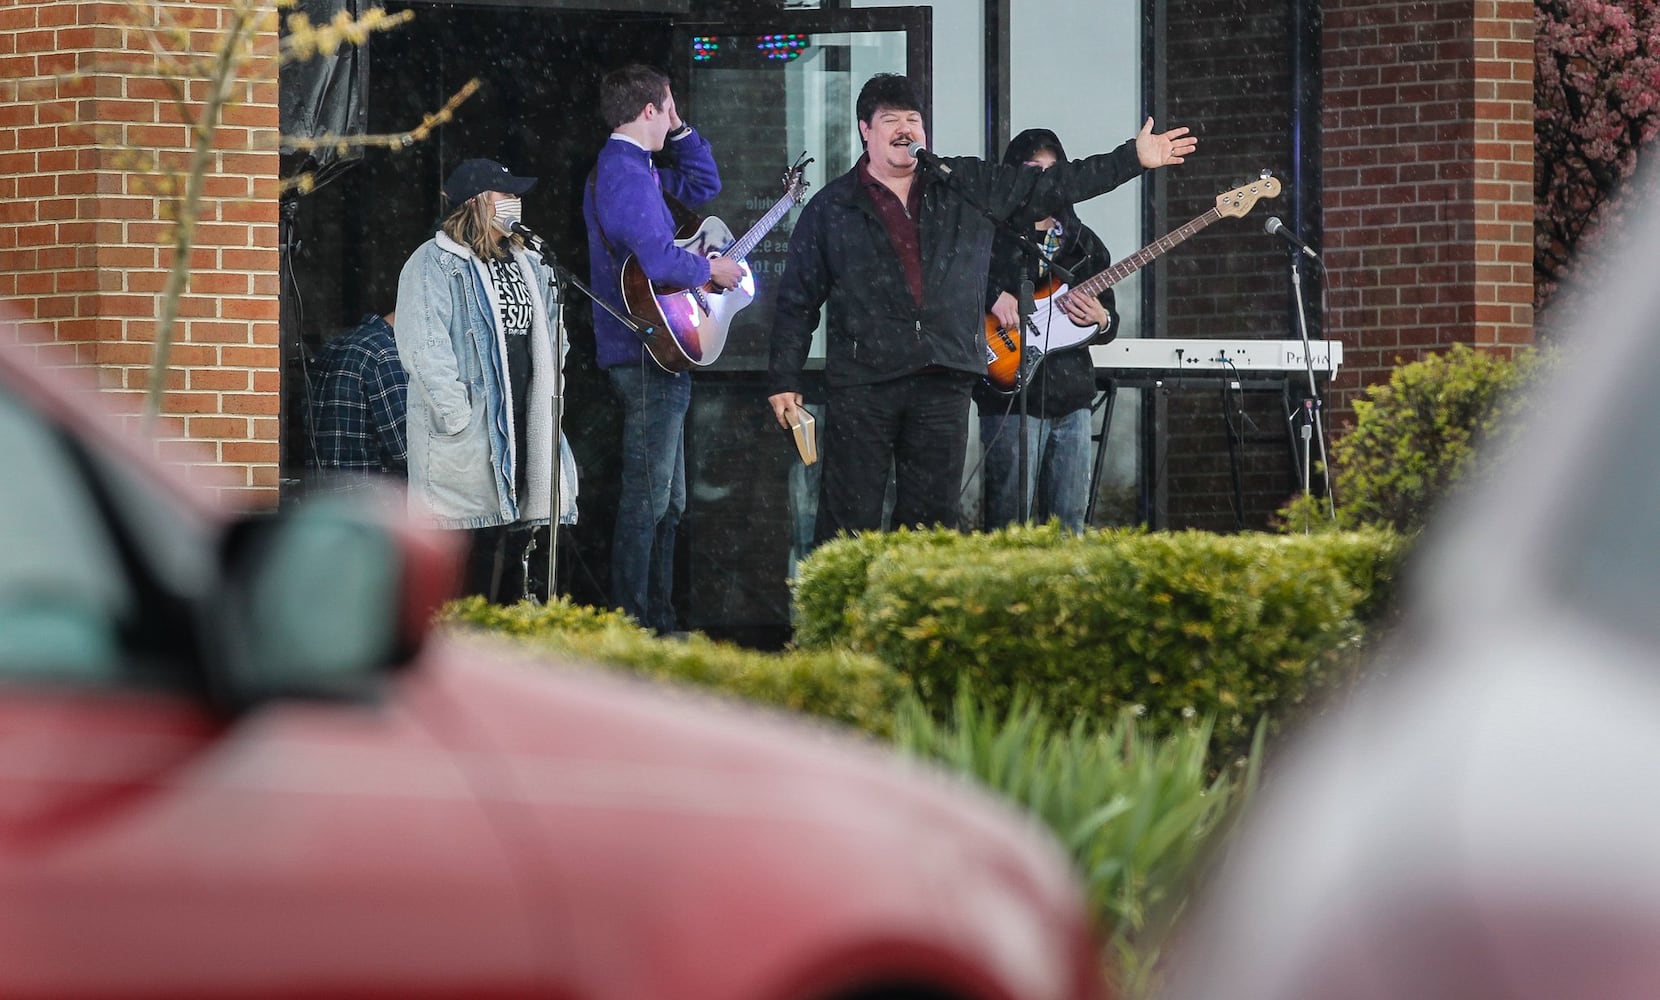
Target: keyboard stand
(1108,383)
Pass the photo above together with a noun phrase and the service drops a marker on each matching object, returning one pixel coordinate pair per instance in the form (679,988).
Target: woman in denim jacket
(475,332)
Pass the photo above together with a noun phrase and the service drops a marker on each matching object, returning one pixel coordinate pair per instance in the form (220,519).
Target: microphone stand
(1029,358)
(1310,425)
(561,278)
(1027,330)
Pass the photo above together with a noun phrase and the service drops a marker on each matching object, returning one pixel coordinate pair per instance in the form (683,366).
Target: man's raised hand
(1164,148)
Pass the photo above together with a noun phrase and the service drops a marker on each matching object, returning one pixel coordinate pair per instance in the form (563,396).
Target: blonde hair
(469,224)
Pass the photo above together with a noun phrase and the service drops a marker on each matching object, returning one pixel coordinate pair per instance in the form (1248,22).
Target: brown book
(805,429)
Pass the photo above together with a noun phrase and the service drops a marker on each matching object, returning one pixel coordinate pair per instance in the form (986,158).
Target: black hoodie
(1064,381)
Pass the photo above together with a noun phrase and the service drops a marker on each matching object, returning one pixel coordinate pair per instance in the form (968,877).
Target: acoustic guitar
(691,324)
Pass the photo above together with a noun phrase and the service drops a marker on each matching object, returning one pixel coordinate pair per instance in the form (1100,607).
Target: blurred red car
(231,767)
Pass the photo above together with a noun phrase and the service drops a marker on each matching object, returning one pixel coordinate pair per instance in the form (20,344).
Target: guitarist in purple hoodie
(650,152)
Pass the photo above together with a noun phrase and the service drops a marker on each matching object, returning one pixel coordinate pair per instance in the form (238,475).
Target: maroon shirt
(900,220)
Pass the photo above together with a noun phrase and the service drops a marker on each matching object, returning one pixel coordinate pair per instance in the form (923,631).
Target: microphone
(532,241)
(1274,227)
(920,153)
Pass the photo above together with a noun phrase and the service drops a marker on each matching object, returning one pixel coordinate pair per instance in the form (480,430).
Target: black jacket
(1064,381)
(840,254)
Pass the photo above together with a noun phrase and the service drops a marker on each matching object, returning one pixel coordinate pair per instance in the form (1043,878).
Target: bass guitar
(691,324)
(1055,330)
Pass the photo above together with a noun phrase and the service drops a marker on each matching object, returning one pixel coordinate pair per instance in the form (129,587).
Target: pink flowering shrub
(1596,105)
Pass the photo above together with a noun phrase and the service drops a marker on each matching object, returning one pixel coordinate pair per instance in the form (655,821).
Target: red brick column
(1428,167)
(84,230)
(1504,173)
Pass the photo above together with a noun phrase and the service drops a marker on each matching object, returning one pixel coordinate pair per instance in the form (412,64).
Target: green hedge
(829,583)
(835,684)
(1179,625)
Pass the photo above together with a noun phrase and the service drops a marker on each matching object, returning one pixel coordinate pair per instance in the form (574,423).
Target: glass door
(767,91)
(764,91)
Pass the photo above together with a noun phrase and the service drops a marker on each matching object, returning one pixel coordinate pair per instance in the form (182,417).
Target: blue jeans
(653,494)
(1057,466)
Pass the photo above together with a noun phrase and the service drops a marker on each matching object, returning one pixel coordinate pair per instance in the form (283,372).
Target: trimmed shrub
(1184,625)
(831,580)
(528,618)
(838,684)
(1415,437)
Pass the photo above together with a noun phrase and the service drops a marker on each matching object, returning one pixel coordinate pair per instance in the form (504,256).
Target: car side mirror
(319,601)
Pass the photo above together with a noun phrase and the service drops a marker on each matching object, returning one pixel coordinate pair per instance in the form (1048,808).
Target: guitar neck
(741,249)
(1146,255)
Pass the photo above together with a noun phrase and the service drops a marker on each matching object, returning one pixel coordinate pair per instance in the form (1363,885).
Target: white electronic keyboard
(1215,358)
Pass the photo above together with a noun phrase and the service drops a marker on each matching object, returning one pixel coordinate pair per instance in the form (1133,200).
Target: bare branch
(393,140)
(306,41)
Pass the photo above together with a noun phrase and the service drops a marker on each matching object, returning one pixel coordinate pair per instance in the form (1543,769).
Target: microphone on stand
(534,242)
(1274,227)
(537,245)
(920,153)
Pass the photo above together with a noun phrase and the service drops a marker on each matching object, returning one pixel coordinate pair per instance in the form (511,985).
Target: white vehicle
(1485,821)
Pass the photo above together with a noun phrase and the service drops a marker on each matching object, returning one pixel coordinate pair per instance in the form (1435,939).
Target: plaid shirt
(361,399)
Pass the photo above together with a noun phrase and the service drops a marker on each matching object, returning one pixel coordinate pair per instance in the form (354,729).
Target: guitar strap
(683,216)
(592,180)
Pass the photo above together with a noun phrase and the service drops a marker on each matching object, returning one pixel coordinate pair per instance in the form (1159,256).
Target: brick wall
(1504,173)
(1231,280)
(1428,118)
(84,245)
(1422,206)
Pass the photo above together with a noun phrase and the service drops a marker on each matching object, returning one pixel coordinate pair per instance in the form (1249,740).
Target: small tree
(1596,107)
(204,87)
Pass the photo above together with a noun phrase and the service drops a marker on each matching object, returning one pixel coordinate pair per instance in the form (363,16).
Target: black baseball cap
(473,177)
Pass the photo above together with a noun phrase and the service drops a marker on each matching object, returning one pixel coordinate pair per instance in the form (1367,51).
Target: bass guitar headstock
(1239,202)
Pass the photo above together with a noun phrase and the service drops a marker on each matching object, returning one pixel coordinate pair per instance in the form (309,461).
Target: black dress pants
(917,427)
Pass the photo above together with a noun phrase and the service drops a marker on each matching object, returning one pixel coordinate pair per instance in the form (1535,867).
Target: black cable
(985,447)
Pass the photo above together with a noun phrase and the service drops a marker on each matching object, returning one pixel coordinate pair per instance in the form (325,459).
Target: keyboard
(1218,358)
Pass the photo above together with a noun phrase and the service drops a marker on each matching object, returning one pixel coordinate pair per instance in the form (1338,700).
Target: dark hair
(625,92)
(885,90)
(469,225)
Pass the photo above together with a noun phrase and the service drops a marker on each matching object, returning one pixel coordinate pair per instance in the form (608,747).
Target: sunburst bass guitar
(1055,330)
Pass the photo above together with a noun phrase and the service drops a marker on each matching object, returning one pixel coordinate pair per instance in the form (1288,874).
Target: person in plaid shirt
(360,400)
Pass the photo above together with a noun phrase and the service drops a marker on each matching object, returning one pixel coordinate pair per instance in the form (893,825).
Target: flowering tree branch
(1596,109)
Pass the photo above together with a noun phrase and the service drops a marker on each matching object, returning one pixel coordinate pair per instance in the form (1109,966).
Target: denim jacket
(462,447)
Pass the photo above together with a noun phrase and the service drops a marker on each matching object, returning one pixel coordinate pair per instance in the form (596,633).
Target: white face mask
(508,211)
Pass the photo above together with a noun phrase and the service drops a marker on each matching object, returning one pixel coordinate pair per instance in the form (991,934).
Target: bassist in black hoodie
(1061,387)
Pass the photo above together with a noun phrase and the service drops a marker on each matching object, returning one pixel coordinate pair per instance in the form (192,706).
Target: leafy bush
(832,579)
(1185,625)
(1416,436)
(1136,812)
(530,619)
(836,684)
